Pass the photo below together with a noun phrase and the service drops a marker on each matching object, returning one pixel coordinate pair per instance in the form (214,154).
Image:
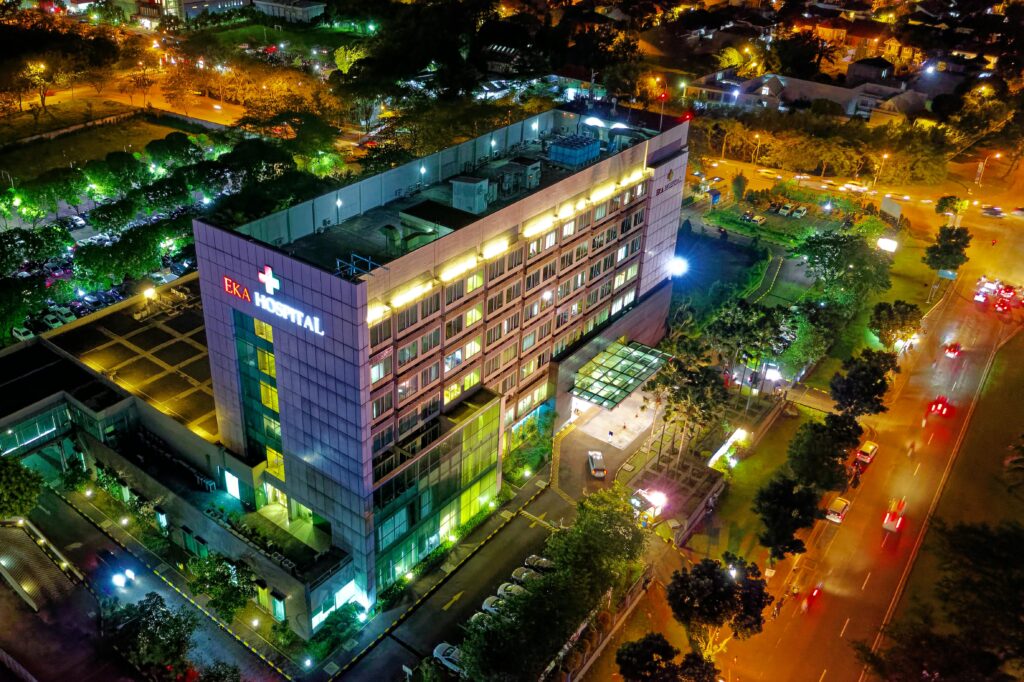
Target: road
(80,541)
(441,616)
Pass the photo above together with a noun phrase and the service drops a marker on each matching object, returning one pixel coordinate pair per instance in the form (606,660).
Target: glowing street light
(678,267)
(983,165)
(887,244)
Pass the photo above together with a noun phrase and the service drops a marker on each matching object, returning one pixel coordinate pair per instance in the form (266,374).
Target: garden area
(18,125)
(719,271)
(256,36)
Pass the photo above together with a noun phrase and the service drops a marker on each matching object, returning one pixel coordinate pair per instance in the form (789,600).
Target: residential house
(870,70)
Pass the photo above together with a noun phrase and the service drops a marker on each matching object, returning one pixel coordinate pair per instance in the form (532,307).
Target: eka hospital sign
(270,304)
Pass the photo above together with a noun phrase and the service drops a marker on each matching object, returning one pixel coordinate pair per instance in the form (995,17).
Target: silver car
(448,655)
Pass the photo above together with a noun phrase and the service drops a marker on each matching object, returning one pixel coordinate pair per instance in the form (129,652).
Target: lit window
(268,396)
(266,362)
(452,360)
(568,229)
(471,380)
(473,347)
(263,330)
(549,239)
(474,314)
(380,370)
(475,281)
(231,483)
(275,463)
(452,392)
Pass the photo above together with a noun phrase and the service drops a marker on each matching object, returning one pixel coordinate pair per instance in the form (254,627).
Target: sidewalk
(239,629)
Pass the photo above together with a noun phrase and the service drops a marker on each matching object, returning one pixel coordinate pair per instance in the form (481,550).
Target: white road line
(843,631)
(884,538)
(822,674)
(917,468)
(930,438)
(865,581)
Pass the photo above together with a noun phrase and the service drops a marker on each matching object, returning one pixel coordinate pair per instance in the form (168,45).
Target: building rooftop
(34,372)
(413,205)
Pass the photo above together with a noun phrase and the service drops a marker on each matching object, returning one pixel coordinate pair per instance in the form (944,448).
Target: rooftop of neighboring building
(363,226)
(34,371)
(874,62)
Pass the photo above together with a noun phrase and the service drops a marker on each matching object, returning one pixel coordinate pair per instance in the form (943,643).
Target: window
(620,279)
(268,396)
(383,438)
(568,229)
(493,334)
(765,91)
(533,248)
(430,305)
(473,347)
(492,365)
(474,281)
(550,270)
(429,408)
(266,362)
(565,262)
(452,392)
(634,245)
(598,241)
(600,211)
(511,322)
(495,302)
(408,387)
(430,374)
(471,380)
(275,463)
(514,292)
(639,189)
(430,340)
(581,251)
(380,370)
(263,330)
(583,220)
(564,289)
(515,259)
(408,353)
(508,383)
(271,427)
(608,262)
(621,254)
(408,422)
(407,318)
(529,340)
(474,314)
(625,226)
(380,332)
(508,355)
(497,269)
(454,292)
(452,360)
(638,217)
(616,203)
(381,405)
(544,330)
(231,483)
(595,271)
(631,271)
(527,368)
(549,239)
(578,280)
(533,280)
(606,289)
(531,311)
(453,327)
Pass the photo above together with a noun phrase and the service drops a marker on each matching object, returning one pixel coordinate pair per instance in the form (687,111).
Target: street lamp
(757,148)
(878,171)
(983,165)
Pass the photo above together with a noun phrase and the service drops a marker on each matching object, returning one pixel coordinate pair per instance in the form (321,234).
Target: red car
(1002,305)
(940,406)
(953,350)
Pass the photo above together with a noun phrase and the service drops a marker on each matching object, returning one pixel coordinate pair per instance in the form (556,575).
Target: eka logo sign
(268,303)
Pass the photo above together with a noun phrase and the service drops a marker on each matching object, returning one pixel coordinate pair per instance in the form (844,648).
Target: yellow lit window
(471,380)
(474,314)
(268,396)
(475,281)
(266,362)
(275,463)
(472,348)
(452,392)
(263,330)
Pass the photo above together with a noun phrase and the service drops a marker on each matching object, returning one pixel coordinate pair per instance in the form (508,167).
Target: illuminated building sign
(270,304)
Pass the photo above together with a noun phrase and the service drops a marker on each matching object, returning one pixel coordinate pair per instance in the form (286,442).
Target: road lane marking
(822,674)
(537,519)
(931,437)
(917,468)
(843,631)
(540,519)
(451,602)
(865,581)
(884,538)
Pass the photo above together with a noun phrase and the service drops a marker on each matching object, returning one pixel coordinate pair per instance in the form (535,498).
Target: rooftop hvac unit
(574,151)
(469,194)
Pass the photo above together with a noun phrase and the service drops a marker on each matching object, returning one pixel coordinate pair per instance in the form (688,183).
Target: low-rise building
(298,11)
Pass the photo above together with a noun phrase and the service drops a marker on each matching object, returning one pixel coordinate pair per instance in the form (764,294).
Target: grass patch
(295,39)
(71,112)
(779,229)
(911,280)
(715,266)
(736,525)
(975,491)
(30,160)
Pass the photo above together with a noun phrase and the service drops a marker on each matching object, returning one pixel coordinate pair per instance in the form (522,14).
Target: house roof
(876,62)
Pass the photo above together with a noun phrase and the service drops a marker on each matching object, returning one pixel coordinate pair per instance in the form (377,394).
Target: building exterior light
(887,244)
(495,248)
(458,268)
(411,294)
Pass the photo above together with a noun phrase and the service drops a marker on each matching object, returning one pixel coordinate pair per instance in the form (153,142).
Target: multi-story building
(371,348)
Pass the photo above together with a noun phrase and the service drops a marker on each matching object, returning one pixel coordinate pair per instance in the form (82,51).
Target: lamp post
(757,148)
(661,118)
(682,84)
(983,165)
(878,171)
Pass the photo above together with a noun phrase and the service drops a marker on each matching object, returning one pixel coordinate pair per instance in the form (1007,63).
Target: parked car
(523,575)
(769,173)
(539,563)
(774,206)
(506,590)
(22,333)
(747,216)
(758,220)
(866,452)
(800,212)
(479,617)
(837,510)
(786,210)
(80,308)
(52,321)
(448,655)
(595,460)
(492,605)
(64,314)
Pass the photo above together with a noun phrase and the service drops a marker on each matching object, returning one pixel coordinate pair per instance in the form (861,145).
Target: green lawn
(27,161)
(776,228)
(68,113)
(910,282)
(294,39)
(735,526)
(711,260)
(975,492)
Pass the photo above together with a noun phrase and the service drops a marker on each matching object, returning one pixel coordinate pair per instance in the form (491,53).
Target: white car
(800,212)
(64,315)
(837,510)
(492,605)
(524,575)
(506,590)
(866,452)
(22,333)
(786,210)
(769,173)
(856,187)
(52,321)
(595,462)
(448,655)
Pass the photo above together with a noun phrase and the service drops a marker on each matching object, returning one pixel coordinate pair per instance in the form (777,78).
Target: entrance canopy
(616,372)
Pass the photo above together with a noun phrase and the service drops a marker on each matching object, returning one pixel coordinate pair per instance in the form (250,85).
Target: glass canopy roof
(616,372)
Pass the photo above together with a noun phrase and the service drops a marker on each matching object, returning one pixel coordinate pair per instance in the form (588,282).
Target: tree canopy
(19,488)
(861,390)
(949,250)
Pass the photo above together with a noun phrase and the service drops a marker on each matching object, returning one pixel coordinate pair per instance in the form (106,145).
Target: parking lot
(160,357)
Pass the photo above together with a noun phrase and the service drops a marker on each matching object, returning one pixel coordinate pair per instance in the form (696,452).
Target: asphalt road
(79,540)
(440,617)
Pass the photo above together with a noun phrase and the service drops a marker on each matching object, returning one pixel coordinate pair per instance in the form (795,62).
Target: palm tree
(693,398)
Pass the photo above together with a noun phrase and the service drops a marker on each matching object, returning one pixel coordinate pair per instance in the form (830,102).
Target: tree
(896,321)
(845,264)
(785,507)
(949,250)
(229,585)
(19,488)
(140,82)
(739,186)
(152,634)
(716,594)
(693,395)
(648,659)
(42,77)
(173,150)
(950,205)
(697,668)
(180,86)
(346,56)
(125,171)
(221,672)
(1013,465)
(861,390)
(818,451)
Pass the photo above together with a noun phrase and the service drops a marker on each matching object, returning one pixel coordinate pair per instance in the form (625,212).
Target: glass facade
(35,431)
(423,500)
(257,370)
